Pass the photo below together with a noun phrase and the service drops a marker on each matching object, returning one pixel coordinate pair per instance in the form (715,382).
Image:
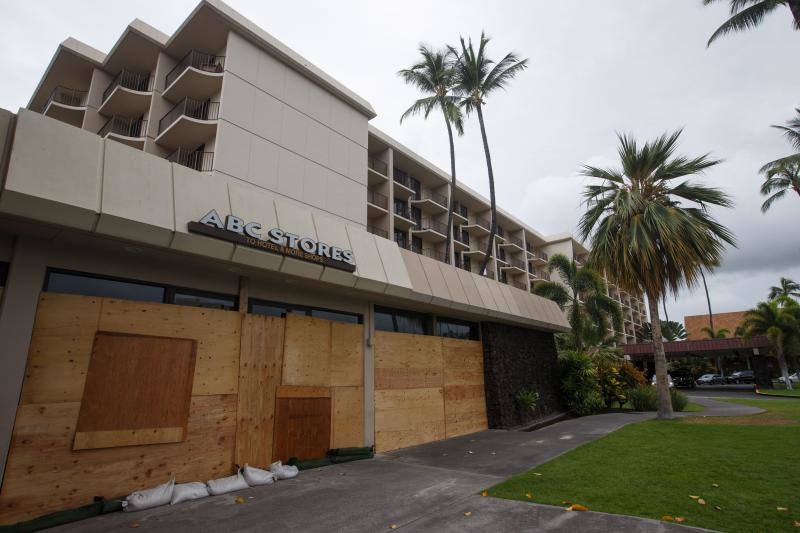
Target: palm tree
(711,333)
(778,180)
(584,298)
(746,14)
(651,234)
(670,331)
(434,76)
(780,324)
(478,77)
(792,133)
(787,289)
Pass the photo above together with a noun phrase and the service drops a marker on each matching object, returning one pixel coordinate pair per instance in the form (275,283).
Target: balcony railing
(516,263)
(402,178)
(201,110)
(517,284)
(377,165)
(377,231)
(432,196)
(435,254)
(482,222)
(67,96)
(541,274)
(402,210)
(199,60)
(514,240)
(128,127)
(539,255)
(462,237)
(432,225)
(416,248)
(194,159)
(500,232)
(460,209)
(488,274)
(130,80)
(376,198)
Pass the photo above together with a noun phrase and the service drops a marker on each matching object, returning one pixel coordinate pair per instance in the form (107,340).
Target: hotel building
(207,221)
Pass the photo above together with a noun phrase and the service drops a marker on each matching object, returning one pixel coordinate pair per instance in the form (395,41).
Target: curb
(758,392)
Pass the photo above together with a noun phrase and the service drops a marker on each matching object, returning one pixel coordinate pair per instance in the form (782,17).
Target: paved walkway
(425,488)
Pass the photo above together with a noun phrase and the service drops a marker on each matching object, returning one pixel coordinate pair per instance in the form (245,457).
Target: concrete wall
(282,132)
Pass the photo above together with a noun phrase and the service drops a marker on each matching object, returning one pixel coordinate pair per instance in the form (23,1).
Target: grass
(692,407)
(781,392)
(650,469)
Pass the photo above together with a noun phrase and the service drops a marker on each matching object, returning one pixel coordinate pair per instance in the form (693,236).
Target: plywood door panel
(61,346)
(306,352)
(259,375)
(302,428)
(44,475)
(348,417)
(136,382)
(464,400)
(407,417)
(404,361)
(217,333)
(297,391)
(347,355)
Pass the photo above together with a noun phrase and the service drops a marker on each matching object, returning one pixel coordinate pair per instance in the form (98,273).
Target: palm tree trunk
(448,242)
(492,202)
(784,368)
(662,385)
(711,321)
(664,303)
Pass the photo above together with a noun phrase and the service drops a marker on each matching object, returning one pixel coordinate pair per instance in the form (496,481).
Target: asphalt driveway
(425,488)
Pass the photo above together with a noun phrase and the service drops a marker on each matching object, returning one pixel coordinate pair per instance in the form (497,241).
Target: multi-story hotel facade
(204,246)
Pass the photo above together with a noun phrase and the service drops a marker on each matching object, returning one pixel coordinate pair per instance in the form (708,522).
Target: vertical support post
(369,376)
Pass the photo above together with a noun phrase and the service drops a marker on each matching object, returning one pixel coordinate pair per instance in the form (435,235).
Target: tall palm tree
(711,333)
(434,76)
(787,289)
(746,14)
(670,330)
(780,324)
(792,133)
(708,301)
(478,77)
(778,180)
(651,230)
(584,297)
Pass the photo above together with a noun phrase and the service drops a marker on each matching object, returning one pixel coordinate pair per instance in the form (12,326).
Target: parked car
(669,379)
(683,379)
(710,379)
(742,376)
(794,378)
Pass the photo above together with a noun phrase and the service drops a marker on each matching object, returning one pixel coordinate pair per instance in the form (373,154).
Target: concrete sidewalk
(425,488)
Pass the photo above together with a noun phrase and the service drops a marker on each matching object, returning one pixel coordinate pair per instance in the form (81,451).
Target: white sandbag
(227,484)
(256,476)
(146,499)
(283,471)
(183,492)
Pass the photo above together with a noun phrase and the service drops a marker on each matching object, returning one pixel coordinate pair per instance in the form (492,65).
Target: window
(456,329)
(400,321)
(263,307)
(208,300)
(91,285)
(3,273)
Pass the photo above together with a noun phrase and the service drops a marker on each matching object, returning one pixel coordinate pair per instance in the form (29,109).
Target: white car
(669,379)
(794,378)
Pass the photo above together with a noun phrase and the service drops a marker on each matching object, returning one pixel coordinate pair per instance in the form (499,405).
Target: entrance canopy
(702,348)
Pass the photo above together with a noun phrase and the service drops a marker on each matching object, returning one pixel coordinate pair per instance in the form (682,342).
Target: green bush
(528,399)
(679,400)
(630,376)
(643,398)
(579,385)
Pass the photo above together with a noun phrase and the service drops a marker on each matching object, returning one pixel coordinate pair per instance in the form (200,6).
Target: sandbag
(146,499)
(282,471)
(347,458)
(360,450)
(256,476)
(308,464)
(224,485)
(183,492)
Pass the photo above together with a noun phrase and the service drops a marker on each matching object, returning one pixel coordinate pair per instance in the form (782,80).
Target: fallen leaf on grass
(485,493)
(717,507)
(528,495)
(468,513)
(393,526)
(577,507)
(667,518)
(566,502)
(782,509)
(694,497)
(680,519)
(716,486)
(796,523)
(239,499)
(701,501)
(536,474)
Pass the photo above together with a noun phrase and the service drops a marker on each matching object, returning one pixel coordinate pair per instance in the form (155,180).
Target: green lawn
(781,392)
(692,407)
(651,468)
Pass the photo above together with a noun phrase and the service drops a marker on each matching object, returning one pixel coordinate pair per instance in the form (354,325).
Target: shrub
(679,400)
(630,376)
(612,389)
(528,399)
(644,398)
(579,384)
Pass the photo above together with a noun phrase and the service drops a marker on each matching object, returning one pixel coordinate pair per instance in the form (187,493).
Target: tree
(478,77)
(778,180)
(651,234)
(792,133)
(779,322)
(435,77)
(787,289)
(670,331)
(746,14)
(721,333)
(584,298)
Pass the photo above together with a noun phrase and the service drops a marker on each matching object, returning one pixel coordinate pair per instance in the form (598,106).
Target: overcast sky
(595,68)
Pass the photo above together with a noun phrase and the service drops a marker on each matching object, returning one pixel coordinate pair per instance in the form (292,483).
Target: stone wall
(517,358)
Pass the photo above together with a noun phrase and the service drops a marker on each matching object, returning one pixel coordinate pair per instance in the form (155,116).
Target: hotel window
(456,329)
(209,300)
(401,238)
(101,286)
(400,321)
(264,307)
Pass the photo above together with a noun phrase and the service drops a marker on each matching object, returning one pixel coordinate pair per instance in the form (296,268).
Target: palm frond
(744,16)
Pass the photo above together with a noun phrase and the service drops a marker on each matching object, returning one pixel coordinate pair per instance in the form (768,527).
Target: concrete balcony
(377,204)
(377,231)
(477,248)
(67,105)
(479,227)
(539,275)
(125,130)
(402,217)
(377,171)
(194,159)
(430,230)
(128,95)
(460,214)
(537,257)
(514,266)
(189,123)
(402,187)
(460,242)
(512,244)
(435,254)
(198,75)
(430,202)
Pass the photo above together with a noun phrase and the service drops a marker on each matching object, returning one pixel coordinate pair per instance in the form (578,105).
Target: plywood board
(44,475)
(217,333)
(306,352)
(407,417)
(135,382)
(296,391)
(302,428)
(61,346)
(404,361)
(260,365)
(348,417)
(464,393)
(347,355)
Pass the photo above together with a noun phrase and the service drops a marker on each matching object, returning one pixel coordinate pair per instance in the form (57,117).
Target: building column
(369,376)
(17,315)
